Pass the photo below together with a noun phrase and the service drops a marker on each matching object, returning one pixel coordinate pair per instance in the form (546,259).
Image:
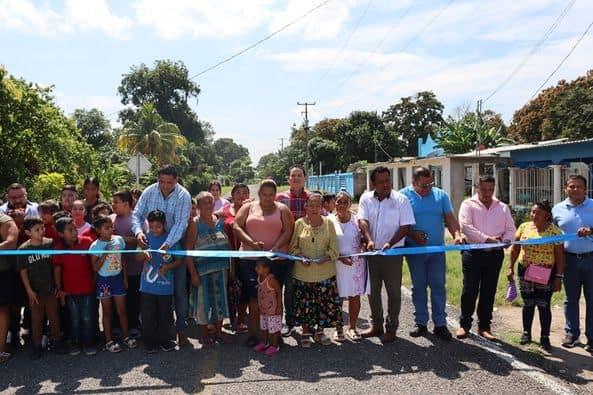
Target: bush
(520,215)
(47,186)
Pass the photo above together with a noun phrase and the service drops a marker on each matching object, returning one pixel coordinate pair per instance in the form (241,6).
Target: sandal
(113,347)
(353,334)
(5,356)
(131,342)
(339,334)
(306,340)
(322,339)
(242,328)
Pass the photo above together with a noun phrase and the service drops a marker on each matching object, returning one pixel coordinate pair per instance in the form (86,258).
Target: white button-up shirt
(385,216)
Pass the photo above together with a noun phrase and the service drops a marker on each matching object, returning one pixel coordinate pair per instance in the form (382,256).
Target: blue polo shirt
(570,218)
(429,212)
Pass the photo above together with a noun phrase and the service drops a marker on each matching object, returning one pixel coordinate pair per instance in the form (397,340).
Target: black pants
(133,302)
(157,319)
(480,277)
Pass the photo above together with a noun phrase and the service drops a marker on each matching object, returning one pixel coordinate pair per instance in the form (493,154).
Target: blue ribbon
(280,255)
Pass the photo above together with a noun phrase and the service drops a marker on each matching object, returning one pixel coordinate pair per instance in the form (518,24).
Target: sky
(346,55)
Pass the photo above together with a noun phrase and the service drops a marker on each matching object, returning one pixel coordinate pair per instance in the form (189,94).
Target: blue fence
(332,183)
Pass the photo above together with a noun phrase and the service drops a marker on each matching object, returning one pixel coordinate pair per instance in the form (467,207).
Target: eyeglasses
(427,186)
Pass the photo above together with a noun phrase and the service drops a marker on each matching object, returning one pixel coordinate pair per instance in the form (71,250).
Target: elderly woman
(316,302)
(546,263)
(208,299)
(265,225)
(351,271)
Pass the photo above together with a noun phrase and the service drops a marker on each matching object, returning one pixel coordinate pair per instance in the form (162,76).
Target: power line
(250,47)
(379,45)
(564,60)
(415,37)
(535,48)
(347,41)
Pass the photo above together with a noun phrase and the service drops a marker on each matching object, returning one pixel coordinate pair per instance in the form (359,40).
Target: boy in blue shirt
(156,288)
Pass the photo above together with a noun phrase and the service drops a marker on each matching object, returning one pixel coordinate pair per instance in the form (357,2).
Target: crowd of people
(54,301)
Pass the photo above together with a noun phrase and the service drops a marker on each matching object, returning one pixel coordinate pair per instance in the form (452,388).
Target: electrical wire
(563,60)
(533,50)
(259,42)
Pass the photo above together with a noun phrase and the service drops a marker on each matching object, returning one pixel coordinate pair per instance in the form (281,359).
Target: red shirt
(77,271)
(90,233)
(296,203)
(229,220)
(50,232)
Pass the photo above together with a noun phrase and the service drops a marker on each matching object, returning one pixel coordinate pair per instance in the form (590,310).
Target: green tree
(152,136)
(94,127)
(168,87)
(326,151)
(47,186)
(363,136)
(272,166)
(461,136)
(36,137)
(240,170)
(414,117)
(228,151)
(562,110)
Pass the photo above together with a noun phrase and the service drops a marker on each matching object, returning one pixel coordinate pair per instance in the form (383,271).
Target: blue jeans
(428,270)
(181,298)
(578,274)
(81,309)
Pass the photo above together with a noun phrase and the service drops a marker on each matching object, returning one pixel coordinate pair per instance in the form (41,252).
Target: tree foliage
(564,110)
(94,127)
(152,136)
(413,117)
(36,136)
(463,136)
(229,151)
(168,87)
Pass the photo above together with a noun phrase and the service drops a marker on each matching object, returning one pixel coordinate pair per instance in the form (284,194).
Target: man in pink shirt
(483,219)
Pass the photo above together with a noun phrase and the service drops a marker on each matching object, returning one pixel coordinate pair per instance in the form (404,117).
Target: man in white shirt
(385,217)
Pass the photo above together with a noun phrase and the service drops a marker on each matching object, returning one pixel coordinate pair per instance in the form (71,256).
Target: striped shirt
(176,206)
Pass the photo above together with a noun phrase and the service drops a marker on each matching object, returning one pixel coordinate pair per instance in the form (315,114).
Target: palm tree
(460,137)
(151,135)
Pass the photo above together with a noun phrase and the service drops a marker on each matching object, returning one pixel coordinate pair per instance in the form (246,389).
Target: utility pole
(478,125)
(306,114)
(281,144)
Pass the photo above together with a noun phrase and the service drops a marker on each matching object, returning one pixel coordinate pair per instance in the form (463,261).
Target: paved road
(409,366)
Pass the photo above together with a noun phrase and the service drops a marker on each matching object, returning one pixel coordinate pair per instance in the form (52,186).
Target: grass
(455,282)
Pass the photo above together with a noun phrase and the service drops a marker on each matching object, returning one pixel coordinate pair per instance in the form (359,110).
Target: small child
(111,282)
(46,211)
(39,280)
(156,288)
(78,285)
(78,212)
(101,209)
(329,204)
(269,300)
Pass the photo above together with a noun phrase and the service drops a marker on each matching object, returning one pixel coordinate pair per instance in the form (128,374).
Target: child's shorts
(110,286)
(270,323)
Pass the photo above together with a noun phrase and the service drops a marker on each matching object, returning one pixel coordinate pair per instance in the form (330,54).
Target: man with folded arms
(483,219)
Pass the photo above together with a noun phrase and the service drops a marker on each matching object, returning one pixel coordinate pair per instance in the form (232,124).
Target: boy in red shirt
(46,211)
(78,285)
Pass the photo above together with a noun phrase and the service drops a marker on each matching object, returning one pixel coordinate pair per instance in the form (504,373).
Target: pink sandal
(261,347)
(271,351)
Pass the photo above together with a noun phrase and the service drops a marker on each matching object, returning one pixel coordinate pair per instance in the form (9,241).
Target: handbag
(538,274)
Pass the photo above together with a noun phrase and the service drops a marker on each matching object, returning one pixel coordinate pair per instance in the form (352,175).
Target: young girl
(92,196)
(78,213)
(111,281)
(269,301)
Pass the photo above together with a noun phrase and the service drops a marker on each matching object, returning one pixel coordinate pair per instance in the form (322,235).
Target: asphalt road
(408,366)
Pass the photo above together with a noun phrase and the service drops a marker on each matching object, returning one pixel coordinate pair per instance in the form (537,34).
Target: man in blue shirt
(174,200)
(432,210)
(575,215)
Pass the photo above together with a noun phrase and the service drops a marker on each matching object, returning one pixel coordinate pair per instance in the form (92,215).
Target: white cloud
(174,19)
(76,16)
